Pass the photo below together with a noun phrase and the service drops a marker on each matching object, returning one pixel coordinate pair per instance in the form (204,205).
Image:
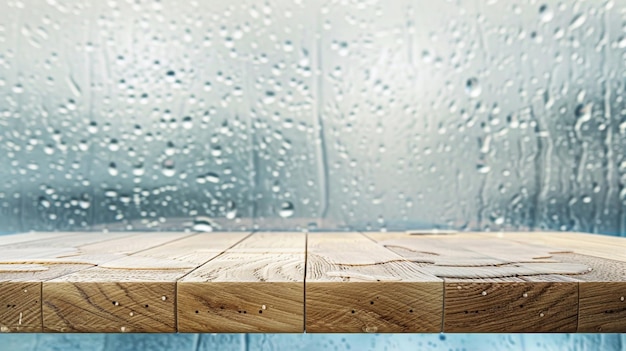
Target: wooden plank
(372,282)
(73,248)
(356,285)
(601,307)
(131,294)
(509,305)
(20,290)
(484,291)
(34,236)
(602,294)
(60,256)
(612,248)
(256,286)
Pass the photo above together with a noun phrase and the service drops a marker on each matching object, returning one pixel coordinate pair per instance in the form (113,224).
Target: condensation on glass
(312,114)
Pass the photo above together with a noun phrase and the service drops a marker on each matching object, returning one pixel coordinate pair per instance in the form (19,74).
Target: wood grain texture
(256,286)
(608,247)
(602,294)
(507,306)
(238,307)
(354,282)
(135,293)
(356,285)
(491,285)
(20,290)
(602,290)
(20,307)
(35,236)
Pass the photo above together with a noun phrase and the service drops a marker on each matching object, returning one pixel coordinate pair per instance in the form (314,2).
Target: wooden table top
(350,282)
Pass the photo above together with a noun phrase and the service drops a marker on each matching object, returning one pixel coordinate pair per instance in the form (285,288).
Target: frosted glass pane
(312,114)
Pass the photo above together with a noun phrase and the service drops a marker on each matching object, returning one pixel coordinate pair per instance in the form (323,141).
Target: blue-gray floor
(335,342)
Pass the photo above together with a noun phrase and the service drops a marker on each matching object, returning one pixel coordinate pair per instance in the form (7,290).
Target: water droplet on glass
(472,87)
(168,168)
(212,178)
(483,168)
(18,88)
(43,202)
(216,151)
(92,127)
(545,13)
(202,224)
(170,76)
(231,210)
(114,145)
(577,21)
(84,204)
(286,209)
(269,97)
(288,46)
(113,169)
(209,177)
(170,149)
(138,169)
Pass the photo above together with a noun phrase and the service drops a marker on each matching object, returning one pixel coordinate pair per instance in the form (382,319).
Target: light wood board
(256,286)
(54,256)
(356,285)
(521,282)
(135,293)
(318,282)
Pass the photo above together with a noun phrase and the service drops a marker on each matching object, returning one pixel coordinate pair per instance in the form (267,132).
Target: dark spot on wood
(371,302)
(197,311)
(410,311)
(260,311)
(146,306)
(353,311)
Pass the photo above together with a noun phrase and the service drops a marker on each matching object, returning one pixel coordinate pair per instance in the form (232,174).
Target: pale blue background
(336,342)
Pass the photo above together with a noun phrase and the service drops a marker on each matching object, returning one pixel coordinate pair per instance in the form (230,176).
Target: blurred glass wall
(362,114)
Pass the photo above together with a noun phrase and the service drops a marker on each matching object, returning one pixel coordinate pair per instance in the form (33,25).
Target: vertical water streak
(318,120)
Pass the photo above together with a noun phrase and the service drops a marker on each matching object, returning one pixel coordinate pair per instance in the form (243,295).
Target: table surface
(239,282)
